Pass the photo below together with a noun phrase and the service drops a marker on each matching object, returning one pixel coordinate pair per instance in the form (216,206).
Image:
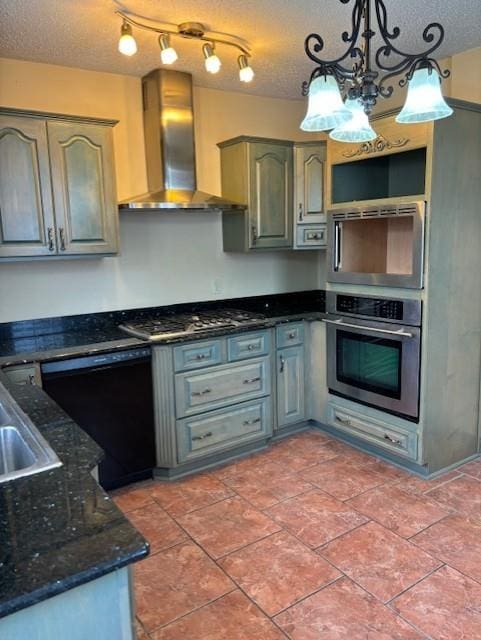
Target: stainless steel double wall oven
(373,351)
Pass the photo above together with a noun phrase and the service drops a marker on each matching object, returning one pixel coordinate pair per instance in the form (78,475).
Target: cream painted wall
(165,258)
(466,75)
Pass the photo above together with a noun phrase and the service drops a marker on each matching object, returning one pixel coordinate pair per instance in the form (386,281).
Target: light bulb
(127,44)
(212,62)
(246,73)
(168,54)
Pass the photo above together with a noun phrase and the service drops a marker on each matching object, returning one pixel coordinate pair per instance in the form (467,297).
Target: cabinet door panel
(310,184)
(26,213)
(290,386)
(84,188)
(271,196)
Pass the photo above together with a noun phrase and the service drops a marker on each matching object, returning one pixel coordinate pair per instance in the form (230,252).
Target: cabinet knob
(252,347)
(292,335)
(201,356)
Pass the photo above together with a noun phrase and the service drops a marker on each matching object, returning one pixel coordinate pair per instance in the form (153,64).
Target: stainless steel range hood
(170,148)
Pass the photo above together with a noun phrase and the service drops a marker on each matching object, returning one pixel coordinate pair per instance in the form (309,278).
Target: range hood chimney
(170,147)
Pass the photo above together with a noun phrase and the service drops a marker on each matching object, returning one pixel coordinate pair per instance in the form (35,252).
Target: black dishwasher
(110,396)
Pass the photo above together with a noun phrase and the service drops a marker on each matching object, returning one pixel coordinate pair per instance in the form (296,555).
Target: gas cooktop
(176,326)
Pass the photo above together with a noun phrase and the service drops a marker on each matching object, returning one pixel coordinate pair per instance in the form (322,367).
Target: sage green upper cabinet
(258,172)
(81,158)
(27,222)
(309,158)
(57,186)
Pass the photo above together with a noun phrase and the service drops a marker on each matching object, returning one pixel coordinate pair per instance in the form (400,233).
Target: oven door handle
(341,323)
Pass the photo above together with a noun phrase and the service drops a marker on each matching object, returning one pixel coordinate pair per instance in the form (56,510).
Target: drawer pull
(247,423)
(345,421)
(203,436)
(252,380)
(283,362)
(253,347)
(292,335)
(201,356)
(201,393)
(393,440)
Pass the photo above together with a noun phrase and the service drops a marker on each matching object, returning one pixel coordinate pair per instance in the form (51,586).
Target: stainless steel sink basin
(23,450)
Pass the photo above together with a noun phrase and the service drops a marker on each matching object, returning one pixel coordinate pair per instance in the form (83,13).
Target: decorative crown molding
(375,146)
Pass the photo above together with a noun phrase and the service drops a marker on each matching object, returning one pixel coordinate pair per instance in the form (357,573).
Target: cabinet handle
(393,440)
(345,421)
(252,380)
(51,246)
(254,234)
(283,362)
(203,436)
(61,233)
(201,393)
(247,423)
(301,213)
(31,379)
(201,356)
(292,335)
(253,347)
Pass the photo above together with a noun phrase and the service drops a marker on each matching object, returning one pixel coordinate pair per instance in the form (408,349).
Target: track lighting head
(246,73)
(168,54)
(127,44)
(212,62)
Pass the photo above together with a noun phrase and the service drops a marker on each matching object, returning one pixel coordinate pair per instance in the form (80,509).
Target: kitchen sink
(23,450)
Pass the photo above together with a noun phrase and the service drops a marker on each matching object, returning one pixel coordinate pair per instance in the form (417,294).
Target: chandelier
(189,30)
(364,75)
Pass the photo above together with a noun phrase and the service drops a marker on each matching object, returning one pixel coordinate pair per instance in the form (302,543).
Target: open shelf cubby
(388,176)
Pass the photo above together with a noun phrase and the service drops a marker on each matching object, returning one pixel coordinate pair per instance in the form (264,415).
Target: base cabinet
(98,609)
(290,366)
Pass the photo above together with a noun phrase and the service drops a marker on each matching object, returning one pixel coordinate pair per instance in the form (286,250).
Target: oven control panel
(372,307)
(394,310)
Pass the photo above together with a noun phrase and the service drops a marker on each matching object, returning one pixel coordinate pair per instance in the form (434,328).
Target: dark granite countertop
(63,337)
(58,529)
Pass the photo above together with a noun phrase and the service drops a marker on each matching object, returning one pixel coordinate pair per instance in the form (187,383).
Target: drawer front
(248,345)
(392,438)
(312,236)
(290,334)
(199,354)
(215,387)
(223,429)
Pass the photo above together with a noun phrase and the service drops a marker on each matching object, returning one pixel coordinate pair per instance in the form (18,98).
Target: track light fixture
(189,30)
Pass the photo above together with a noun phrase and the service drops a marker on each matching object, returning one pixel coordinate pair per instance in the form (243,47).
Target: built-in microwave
(382,244)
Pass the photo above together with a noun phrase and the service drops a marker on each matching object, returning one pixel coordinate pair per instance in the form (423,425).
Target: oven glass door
(369,363)
(375,363)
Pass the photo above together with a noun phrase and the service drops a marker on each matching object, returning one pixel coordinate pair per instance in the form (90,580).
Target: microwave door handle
(337,246)
(341,323)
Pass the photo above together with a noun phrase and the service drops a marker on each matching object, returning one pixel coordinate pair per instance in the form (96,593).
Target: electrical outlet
(218,286)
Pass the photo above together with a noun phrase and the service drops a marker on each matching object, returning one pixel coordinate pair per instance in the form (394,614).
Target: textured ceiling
(84,33)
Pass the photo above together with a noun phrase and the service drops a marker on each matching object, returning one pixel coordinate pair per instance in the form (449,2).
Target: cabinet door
(84,188)
(309,183)
(290,386)
(270,198)
(26,212)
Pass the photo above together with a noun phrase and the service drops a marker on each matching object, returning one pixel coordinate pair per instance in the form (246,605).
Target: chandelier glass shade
(357,129)
(365,75)
(325,109)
